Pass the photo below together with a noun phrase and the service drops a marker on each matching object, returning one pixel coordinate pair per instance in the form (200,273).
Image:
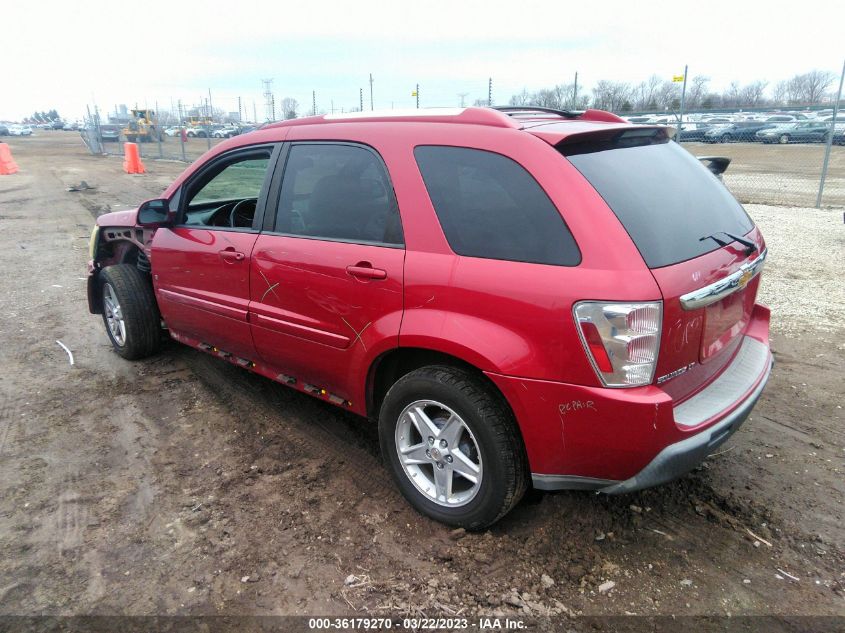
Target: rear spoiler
(716,164)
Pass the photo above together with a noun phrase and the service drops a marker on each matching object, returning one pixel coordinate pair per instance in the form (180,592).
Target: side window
(337,192)
(227,195)
(489,206)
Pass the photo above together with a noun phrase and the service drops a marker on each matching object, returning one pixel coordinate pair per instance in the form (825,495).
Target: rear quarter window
(666,200)
(489,206)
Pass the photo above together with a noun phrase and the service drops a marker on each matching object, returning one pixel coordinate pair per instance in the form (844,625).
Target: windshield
(664,197)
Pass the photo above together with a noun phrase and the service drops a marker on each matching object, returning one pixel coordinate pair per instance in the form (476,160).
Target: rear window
(667,201)
(490,207)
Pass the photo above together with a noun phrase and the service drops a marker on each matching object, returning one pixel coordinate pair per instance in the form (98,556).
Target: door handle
(231,255)
(365,270)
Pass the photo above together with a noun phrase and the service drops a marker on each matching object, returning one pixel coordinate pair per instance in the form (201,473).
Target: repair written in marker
(576,405)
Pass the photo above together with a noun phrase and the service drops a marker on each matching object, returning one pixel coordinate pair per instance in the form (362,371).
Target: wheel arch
(394,363)
(115,245)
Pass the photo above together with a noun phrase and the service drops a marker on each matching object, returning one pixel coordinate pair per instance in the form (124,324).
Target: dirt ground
(183,485)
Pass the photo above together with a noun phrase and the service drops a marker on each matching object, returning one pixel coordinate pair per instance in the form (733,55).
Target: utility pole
(463,96)
(240,111)
(490,92)
(830,139)
(371,91)
(314,102)
(683,97)
(575,91)
(210,106)
(361,100)
(254,113)
(417,95)
(332,102)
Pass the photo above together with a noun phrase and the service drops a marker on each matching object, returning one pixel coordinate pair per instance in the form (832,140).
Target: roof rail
(584,115)
(468,115)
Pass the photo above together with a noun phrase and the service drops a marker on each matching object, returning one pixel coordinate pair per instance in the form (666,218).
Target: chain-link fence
(778,156)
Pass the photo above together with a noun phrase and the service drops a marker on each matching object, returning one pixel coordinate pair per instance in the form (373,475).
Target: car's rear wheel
(726,138)
(783,139)
(452,446)
(130,312)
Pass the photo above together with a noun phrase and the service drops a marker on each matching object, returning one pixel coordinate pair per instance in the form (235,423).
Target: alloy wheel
(439,453)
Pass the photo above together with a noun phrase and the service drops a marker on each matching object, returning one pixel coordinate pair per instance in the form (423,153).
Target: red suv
(519,297)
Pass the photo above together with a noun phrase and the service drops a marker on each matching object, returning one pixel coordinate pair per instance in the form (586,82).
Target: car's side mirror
(154,213)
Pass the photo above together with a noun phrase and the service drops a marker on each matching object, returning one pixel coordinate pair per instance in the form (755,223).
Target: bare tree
(644,95)
(611,95)
(668,96)
(780,94)
(289,108)
(696,90)
(752,94)
(521,99)
(814,85)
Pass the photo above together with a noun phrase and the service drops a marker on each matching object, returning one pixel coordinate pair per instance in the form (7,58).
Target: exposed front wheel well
(119,252)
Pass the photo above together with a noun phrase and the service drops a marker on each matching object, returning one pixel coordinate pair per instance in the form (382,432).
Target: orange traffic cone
(132,159)
(7,163)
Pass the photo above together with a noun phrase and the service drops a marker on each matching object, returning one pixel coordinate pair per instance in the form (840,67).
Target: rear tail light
(621,340)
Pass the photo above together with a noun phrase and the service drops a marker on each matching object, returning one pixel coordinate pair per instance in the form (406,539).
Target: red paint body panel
(704,340)
(199,292)
(312,319)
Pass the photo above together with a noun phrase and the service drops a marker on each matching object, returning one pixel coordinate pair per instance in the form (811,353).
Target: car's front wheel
(130,312)
(452,446)
(783,139)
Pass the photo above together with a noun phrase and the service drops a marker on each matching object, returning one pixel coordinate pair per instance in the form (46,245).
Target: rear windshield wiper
(750,247)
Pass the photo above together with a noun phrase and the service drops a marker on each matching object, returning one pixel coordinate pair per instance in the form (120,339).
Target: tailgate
(702,248)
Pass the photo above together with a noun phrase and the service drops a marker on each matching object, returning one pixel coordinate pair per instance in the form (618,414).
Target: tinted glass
(664,197)
(490,207)
(338,192)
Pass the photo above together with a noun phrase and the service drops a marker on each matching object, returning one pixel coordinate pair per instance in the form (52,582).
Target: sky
(69,56)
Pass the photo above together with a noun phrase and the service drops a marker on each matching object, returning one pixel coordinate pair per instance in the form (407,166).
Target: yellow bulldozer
(142,128)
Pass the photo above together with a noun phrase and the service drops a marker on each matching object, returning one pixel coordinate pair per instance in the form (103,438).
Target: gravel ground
(805,267)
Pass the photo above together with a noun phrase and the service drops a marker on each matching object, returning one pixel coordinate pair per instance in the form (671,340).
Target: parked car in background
(203,131)
(70,127)
(227,131)
(801,132)
(57,124)
(20,130)
(780,118)
(4,131)
(175,130)
(110,132)
(693,131)
(740,131)
(518,297)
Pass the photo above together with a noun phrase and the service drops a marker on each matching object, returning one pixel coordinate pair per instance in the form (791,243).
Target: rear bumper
(619,440)
(680,458)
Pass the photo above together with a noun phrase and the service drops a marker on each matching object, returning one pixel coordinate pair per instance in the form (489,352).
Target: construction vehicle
(142,127)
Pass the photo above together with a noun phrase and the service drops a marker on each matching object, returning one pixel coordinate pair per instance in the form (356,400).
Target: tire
(485,439)
(133,324)
(725,138)
(783,139)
